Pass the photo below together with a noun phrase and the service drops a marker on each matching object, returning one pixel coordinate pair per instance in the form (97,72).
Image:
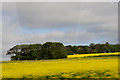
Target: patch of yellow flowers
(64,67)
(89,55)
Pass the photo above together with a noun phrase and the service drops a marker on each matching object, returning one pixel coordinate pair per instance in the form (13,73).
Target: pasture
(102,65)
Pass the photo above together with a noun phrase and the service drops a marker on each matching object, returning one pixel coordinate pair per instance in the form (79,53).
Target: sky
(72,23)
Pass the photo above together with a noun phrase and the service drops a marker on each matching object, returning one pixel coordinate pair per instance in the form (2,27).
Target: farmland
(75,66)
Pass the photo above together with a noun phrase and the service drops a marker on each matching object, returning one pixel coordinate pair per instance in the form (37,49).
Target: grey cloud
(106,27)
(11,30)
(73,37)
(50,14)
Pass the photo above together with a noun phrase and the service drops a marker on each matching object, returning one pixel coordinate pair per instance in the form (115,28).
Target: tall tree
(54,50)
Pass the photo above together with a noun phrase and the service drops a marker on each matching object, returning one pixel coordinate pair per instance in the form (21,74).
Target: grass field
(72,67)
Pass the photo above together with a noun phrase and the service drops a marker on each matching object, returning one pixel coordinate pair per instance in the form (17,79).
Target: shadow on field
(89,75)
(61,79)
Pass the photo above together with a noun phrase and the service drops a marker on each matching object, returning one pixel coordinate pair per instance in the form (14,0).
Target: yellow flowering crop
(67,68)
(95,54)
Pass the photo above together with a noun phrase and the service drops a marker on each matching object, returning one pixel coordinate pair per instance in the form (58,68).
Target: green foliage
(56,50)
(49,50)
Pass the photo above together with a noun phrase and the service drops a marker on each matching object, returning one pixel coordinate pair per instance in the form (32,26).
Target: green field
(88,67)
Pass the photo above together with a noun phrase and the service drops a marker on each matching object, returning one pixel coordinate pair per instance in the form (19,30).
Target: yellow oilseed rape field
(91,67)
(92,55)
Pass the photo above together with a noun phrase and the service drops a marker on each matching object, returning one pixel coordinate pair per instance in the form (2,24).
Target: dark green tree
(70,52)
(54,50)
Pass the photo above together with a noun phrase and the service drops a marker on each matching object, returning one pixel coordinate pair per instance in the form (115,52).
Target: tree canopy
(49,50)
(56,50)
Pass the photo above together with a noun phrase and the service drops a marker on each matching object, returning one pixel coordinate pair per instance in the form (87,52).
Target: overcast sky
(78,23)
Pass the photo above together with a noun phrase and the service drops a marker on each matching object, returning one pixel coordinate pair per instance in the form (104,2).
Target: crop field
(94,55)
(72,67)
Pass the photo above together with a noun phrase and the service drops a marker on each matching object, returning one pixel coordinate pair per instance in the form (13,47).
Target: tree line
(56,50)
(93,48)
